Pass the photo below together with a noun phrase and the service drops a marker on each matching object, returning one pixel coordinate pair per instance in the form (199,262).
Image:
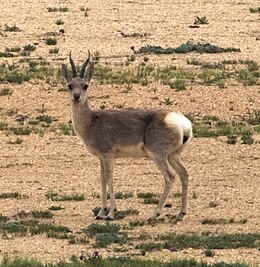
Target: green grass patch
(97,260)
(151,200)
(51,41)
(30,227)
(146,195)
(45,118)
(42,214)
(210,240)
(124,213)
(20,130)
(56,197)
(54,50)
(59,22)
(13,49)
(3,218)
(67,129)
(10,195)
(222,221)
(55,208)
(254,9)
(121,195)
(57,9)
(12,28)
(106,234)
(6,91)
(201,20)
(29,47)
(189,46)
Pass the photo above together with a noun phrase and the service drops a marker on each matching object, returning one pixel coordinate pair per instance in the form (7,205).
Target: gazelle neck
(81,118)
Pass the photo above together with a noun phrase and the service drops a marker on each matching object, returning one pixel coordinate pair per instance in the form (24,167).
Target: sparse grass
(151,200)
(18,141)
(167,101)
(85,10)
(222,221)
(3,126)
(3,218)
(6,54)
(29,47)
(146,195)
(51,41)
(136,223)
(247,139)
(55,208)
(194,195)
(13,49)
(13,28)
(54,50)
(123,213)
(213,204)
(121,195)
(57,9)
(189,46)
(10,195)
(6,91)
(67,129)
(59,22)
(178,85)
(97,260)
(201,20)
(56,197)
(106,234)
(210,240)
(254,9)
(42,214)
(231,139)
(209,253)
(20,130)
(45,118)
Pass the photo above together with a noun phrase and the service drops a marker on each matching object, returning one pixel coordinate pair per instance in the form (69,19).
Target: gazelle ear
(67,74)
(90,71)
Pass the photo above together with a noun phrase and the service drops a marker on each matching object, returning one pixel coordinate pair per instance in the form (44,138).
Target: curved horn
(73,67)
(83,68)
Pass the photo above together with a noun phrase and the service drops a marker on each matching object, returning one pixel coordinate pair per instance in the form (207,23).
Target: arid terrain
(41,157)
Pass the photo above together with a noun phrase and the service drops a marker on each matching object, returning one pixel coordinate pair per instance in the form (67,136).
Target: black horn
(83,68)
(73,67)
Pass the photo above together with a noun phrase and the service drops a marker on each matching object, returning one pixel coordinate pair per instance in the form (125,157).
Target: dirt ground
(228,175)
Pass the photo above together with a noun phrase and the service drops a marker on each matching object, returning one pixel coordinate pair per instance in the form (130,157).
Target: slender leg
(108,163)
(178,166)
(104,208)
(168,181)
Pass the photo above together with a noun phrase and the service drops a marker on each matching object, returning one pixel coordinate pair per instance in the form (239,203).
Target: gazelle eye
(85,86)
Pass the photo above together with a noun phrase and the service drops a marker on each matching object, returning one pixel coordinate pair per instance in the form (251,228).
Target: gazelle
(155,134)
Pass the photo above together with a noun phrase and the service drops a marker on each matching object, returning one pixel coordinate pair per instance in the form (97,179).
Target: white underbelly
(134,151)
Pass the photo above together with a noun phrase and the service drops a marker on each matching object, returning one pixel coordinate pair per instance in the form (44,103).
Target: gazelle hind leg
(168,181)
(175,161)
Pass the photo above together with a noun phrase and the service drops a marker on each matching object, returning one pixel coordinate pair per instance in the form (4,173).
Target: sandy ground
(224,174)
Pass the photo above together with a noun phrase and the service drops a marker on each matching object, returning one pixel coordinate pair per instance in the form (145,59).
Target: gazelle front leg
(104,208)
(108,164)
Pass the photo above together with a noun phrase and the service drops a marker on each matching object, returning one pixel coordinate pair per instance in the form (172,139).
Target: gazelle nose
(76,96)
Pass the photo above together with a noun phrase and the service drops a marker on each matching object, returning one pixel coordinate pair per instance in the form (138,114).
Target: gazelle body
(155,134)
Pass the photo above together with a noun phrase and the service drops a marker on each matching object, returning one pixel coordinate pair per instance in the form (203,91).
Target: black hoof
(109,218)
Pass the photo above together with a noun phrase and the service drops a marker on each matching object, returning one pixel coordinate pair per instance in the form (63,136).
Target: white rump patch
(173,119)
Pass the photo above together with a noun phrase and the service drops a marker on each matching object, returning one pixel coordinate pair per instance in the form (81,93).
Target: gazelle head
(79,83)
